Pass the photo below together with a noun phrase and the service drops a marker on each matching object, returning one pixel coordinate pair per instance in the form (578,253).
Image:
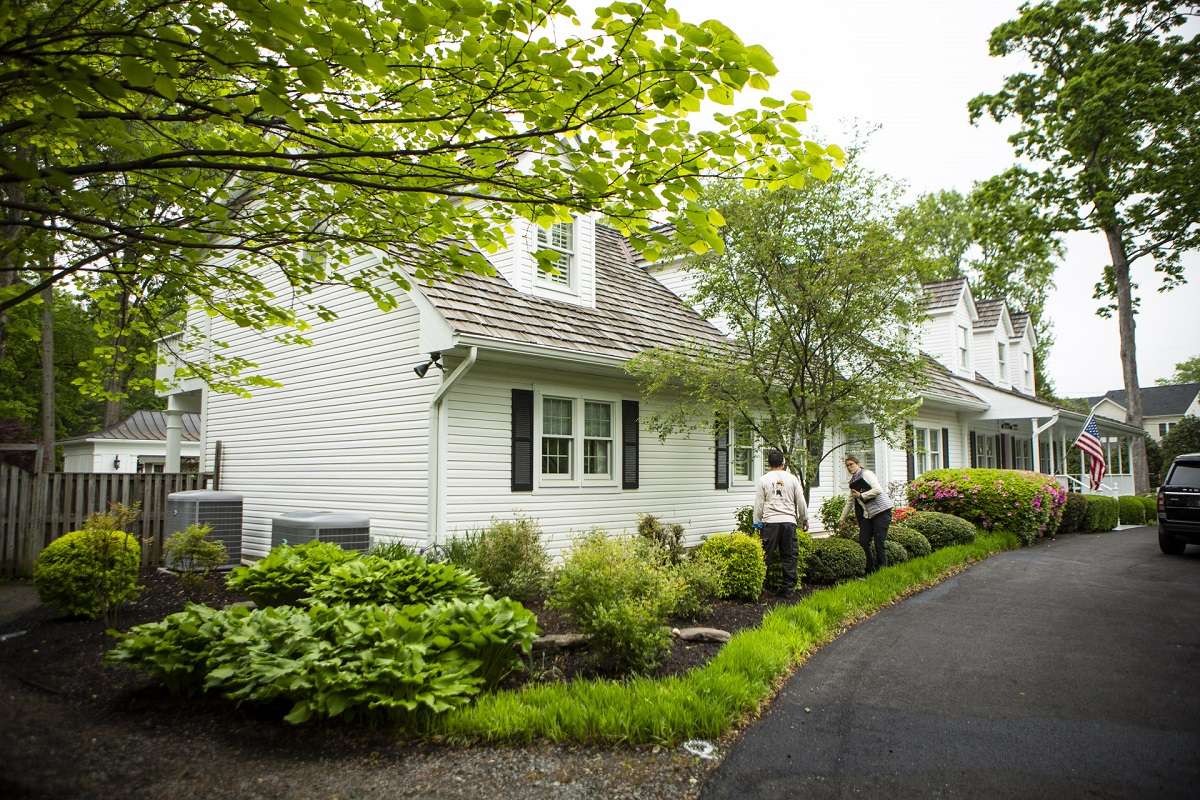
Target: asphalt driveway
(1071,669)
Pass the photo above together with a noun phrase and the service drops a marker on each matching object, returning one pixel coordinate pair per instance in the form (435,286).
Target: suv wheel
(1170,545)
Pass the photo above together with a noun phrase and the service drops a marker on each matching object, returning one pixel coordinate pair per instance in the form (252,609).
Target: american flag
(1089,442)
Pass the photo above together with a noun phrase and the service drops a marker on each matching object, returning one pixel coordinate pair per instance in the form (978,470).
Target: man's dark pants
(873,529)
(781,536)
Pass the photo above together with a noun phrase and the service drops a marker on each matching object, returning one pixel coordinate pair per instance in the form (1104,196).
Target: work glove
(758,526)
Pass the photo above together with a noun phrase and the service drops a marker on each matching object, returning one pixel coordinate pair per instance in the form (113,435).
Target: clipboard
(859,485)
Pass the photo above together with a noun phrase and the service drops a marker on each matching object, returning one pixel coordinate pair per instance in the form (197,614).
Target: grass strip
(707,702)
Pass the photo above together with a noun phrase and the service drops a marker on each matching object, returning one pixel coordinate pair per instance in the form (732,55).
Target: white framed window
(985,450)
(1022,454)
(1028,370)
(742,437)
(860,441)
(561,239)
(558,437)
(964,358)
(1002,358)
(1164,428)
(597,439)
(926,449)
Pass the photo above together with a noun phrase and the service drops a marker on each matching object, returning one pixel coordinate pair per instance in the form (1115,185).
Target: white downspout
(435,439)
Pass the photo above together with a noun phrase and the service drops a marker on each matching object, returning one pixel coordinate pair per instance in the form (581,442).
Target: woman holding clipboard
(872,509)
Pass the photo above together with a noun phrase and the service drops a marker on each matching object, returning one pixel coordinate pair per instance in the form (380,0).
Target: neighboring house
(1162,406)
(136,444)
(530,411)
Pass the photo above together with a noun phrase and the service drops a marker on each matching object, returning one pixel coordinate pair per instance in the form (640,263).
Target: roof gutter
(435,443)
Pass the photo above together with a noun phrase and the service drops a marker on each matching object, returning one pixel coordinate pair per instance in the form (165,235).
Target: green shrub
(393,551)
(912,541)
(831,521)
(88,573)
(1150,507)
(667,537)
(620,593)
(896,554)
(287,572)
(697,583)
(191,551)
(1026,503)
(1074,513)
(745,520)
(1102,513)
(942,530)
(509,558)
(738,559)
(836,559)
(371,580)
(332,660)
(1130,510)
(804,545)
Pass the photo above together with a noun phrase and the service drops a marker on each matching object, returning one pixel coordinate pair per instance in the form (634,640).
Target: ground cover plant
(705,702)
(1130,510)
(404,581)
(942,530)
(286,573)
(1102,513)
(738,559)
(836,559)
(1027,503)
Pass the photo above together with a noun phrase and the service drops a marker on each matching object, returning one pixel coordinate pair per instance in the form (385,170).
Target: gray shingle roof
(1157,401)
(1019,320)
(990,312)
(943,294)
(941,380)
(147,426)
(633,312)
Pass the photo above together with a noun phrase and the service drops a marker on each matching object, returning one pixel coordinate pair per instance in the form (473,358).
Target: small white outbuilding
(135,444)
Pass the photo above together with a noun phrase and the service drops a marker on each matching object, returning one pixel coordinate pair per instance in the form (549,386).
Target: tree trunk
(1125,323)
(8,256)
(48,416)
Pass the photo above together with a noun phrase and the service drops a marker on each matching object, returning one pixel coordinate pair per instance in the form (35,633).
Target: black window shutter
(522,440)
(972,446)
(1002,455)
(721,480)
(945,447)
(816,478)
(910,461)
(629,444)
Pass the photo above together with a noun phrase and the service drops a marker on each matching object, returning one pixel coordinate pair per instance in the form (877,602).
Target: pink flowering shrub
(1028,504)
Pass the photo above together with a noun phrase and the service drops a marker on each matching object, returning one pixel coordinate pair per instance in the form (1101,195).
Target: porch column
(174,433)
(1037,449)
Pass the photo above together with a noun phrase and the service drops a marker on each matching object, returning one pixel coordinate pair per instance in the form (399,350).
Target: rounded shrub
(836,559)
(1130,510)
(1102,513)
(1074,513)
(509,558)
(896,554)
(1026,503)
(912,541)
(87,573)
(941,530)
(738,559)
(1150,507)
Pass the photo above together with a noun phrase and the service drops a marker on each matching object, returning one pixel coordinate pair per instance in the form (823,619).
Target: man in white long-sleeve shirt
(778,508)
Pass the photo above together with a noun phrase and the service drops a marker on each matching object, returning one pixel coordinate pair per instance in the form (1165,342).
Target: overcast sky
(911,68)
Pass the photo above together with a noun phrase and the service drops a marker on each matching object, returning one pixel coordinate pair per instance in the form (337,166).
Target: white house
(528,409)
(1162,406)
(136,444)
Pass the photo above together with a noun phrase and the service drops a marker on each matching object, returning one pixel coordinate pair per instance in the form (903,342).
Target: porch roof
(1006,404)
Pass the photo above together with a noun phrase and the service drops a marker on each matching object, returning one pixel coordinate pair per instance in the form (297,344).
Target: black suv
(1179,505)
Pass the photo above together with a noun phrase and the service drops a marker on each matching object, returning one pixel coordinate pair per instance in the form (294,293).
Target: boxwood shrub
(1027,503)
(1102,513)
(912,541)
(836,559)
(896,554)
(941,530)
(738,559)
(1130,509)
(1150,506)
(1074,513)
(87,573)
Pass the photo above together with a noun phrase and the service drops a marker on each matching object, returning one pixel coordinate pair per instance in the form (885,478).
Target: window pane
(860,441)
(596,456)
(597,420)
(556,417)
(742,456)
(556,456)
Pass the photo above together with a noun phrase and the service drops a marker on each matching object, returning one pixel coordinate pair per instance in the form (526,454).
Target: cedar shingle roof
(1157,401)
(990,312)
(943,294)
(1019,320)
(942,381)
(633,313)
(148,426)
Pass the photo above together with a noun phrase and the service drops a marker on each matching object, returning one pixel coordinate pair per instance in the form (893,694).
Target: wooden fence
(35,509)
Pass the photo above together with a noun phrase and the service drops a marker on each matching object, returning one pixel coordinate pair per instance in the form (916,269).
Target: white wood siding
(348,431)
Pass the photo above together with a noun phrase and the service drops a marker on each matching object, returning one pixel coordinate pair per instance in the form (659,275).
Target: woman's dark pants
(873,529)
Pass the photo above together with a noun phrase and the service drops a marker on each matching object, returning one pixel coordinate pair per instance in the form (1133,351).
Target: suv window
(1185,473)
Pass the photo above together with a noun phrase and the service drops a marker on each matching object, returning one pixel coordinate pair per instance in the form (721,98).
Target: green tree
(1187,371)
(999,241)
(822,305)
(1184,437)
(228,143)
(1110,113)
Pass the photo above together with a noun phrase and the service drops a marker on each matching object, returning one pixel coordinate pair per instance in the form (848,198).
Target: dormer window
(1002,357)
(963,357)
(561,239)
